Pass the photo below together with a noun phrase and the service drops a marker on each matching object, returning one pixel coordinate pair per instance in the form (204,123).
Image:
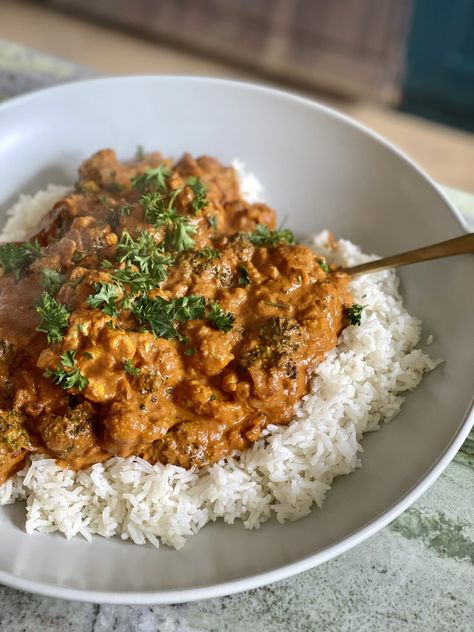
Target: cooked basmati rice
(284,474)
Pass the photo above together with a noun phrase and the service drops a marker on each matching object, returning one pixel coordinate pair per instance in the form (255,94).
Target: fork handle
(457,246)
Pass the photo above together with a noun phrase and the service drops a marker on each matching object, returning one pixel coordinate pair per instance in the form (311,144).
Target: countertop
(416,574)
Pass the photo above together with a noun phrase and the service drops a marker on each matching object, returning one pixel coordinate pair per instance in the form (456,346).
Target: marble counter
(416,574)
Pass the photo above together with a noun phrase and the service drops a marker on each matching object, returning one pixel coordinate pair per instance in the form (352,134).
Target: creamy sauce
(212,383)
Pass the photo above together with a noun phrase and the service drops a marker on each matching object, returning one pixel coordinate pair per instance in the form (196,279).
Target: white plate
(321,170)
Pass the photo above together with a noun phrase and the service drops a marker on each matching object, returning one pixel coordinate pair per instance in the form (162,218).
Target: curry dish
(157,313)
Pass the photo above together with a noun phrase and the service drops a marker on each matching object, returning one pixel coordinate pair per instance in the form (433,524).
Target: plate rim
(163,597)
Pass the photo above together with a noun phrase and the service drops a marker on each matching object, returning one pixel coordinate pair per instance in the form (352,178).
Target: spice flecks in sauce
(157,313)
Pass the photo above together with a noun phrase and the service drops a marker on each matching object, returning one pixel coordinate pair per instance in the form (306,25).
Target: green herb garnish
(161,316)
(125,210)
(52,280)
(154,208)
(114,214)
(139,152)
(78,256)
(354,313)
(199,188)
(244,278)
(152,179)
(137,282)
(67,374)
(146,254)
(33,247)
(324,266)
(54,317)
(105,298)
(178,227)
(212,221)
(178,235)
(130,368)
(219,318)
(16,257)
(263,236)
(189,307)
(208,253)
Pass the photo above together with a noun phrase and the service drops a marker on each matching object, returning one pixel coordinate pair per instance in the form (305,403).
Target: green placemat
(23,69)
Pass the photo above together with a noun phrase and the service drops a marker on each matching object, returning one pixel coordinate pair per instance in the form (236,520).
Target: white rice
(357,387)
(25,215)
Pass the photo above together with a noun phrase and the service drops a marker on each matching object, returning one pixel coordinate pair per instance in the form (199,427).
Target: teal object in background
(439,75)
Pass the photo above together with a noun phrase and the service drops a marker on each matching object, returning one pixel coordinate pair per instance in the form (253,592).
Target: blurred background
(405,68)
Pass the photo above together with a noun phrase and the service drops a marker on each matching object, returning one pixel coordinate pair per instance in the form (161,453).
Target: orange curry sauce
(157,313)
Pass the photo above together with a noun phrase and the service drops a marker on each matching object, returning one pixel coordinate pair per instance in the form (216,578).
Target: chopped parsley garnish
(212,221)
(277,304)
(156,315)
(33,247)
(189,307)
(263,236)
(244,278)
(354,313)
(199,188)
(219,318)
(208,253)
(105,298)
(152,179)
(146,254)
(67,374)
(139,152)
(161,316)
(137,282)
(54,317)
(78,256)
(114,214)
(178,234)
(88,355)
(178,227)
(130,368)
(52,280)
(324,266)
(16,257)
(154,208)
(125,210)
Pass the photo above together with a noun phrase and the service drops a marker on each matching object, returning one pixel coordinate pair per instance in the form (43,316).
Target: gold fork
(457,246)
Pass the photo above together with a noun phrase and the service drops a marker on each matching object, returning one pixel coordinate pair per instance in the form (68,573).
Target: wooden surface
(354,47)
(446,154)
